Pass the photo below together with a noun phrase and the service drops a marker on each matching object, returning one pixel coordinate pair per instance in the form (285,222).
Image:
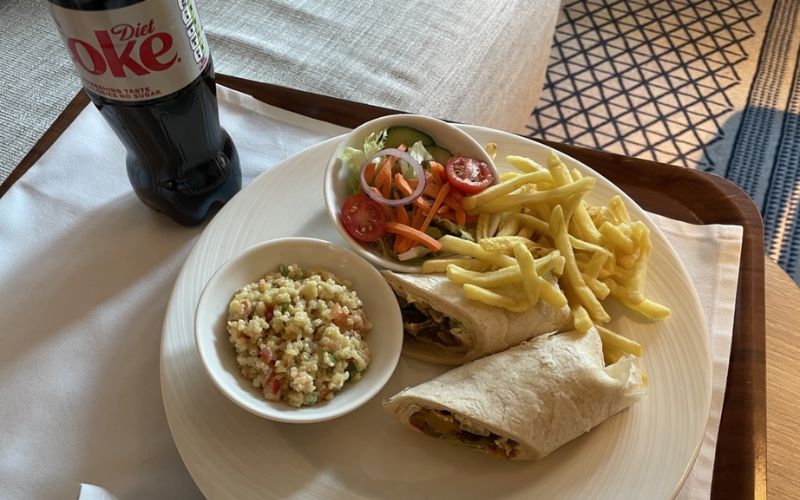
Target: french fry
(540,211)
(503,188)
(636,280)
(560,172)
(617,207)
(573,280)
(505,244)
(510,275)
(588,247)
(505,276)
(524,164)
(614,235)
(527,267)
(625,264)
(534,223)
(481,227)
(508,227)
(432,266)
(599,289)
(600,215)
(494,223)
(491,149)
(608,269)
(581,320)
(595,265)
(468,248)
(505,176)
(515,202)
(587,228)
(551,294)
(553,262)
(525,232)
(558,263)
(617,341)
(647,308)
(570,205)
(611,355)
(491,298)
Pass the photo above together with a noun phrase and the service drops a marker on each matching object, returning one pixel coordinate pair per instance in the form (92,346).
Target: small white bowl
(217,353)
(335,185)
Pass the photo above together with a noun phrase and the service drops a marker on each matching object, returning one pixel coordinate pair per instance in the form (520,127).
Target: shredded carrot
(401,216)
(457,196)
(402,184)
(432,189)
(436,204)
(461,217)
(413,183)
(404,187)
(417,216)
(450,202)
(369,173)
(387,210)
(438,172)
(414,234)
(382,175)
(386,187)
(404,245)
(451,216)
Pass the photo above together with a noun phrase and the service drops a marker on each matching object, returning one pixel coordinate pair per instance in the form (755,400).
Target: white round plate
(643,452)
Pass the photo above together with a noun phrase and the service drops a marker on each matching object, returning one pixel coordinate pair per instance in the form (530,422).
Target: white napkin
(85,273)
(93,492)
(711,254)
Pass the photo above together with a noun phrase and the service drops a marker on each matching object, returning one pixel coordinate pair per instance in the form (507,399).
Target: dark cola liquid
(180,161)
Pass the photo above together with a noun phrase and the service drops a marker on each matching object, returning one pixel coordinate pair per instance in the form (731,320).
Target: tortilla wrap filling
(444,425)
(426,324)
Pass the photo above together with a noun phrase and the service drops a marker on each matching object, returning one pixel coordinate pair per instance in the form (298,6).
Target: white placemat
(86,271)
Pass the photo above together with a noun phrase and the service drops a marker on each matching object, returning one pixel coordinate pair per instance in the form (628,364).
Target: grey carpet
(44,78)
(705,84)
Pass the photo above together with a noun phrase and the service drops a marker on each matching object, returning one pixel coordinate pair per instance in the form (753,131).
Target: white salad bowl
(337,188)
(218,354)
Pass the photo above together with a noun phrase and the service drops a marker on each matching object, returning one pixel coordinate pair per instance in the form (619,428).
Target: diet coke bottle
(146,66)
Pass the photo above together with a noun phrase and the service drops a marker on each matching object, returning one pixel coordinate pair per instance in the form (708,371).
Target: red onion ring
(402,155)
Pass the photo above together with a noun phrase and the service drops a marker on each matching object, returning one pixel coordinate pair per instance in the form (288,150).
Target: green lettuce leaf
(354,159)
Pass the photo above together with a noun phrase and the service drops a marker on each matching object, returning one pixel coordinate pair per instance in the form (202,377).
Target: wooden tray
(680,193)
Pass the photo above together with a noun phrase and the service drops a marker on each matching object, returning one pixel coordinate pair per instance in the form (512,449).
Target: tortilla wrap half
(523,403)
(486,329)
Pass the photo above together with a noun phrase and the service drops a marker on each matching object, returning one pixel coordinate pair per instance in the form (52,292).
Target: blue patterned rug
(705,84)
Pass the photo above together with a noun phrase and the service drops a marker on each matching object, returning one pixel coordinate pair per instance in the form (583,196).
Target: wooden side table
(783,383)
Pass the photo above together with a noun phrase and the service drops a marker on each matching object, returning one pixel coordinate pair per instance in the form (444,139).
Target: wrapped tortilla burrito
(523,403)
(442,326)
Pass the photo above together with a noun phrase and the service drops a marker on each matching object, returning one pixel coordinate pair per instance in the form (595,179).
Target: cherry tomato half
(468,175)
(363,218)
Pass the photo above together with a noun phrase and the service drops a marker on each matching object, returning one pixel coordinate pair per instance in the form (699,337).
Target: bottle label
(136,53)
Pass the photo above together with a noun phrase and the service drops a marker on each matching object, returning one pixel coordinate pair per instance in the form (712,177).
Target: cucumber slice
(399,134)
(440,155)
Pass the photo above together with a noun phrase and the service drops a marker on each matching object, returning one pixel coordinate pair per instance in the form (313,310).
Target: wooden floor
(783,384)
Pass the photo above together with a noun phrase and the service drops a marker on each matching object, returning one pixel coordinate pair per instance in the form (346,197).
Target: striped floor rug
(705,84)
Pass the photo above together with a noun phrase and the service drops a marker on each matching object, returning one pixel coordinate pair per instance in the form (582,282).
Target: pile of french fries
(534,228)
